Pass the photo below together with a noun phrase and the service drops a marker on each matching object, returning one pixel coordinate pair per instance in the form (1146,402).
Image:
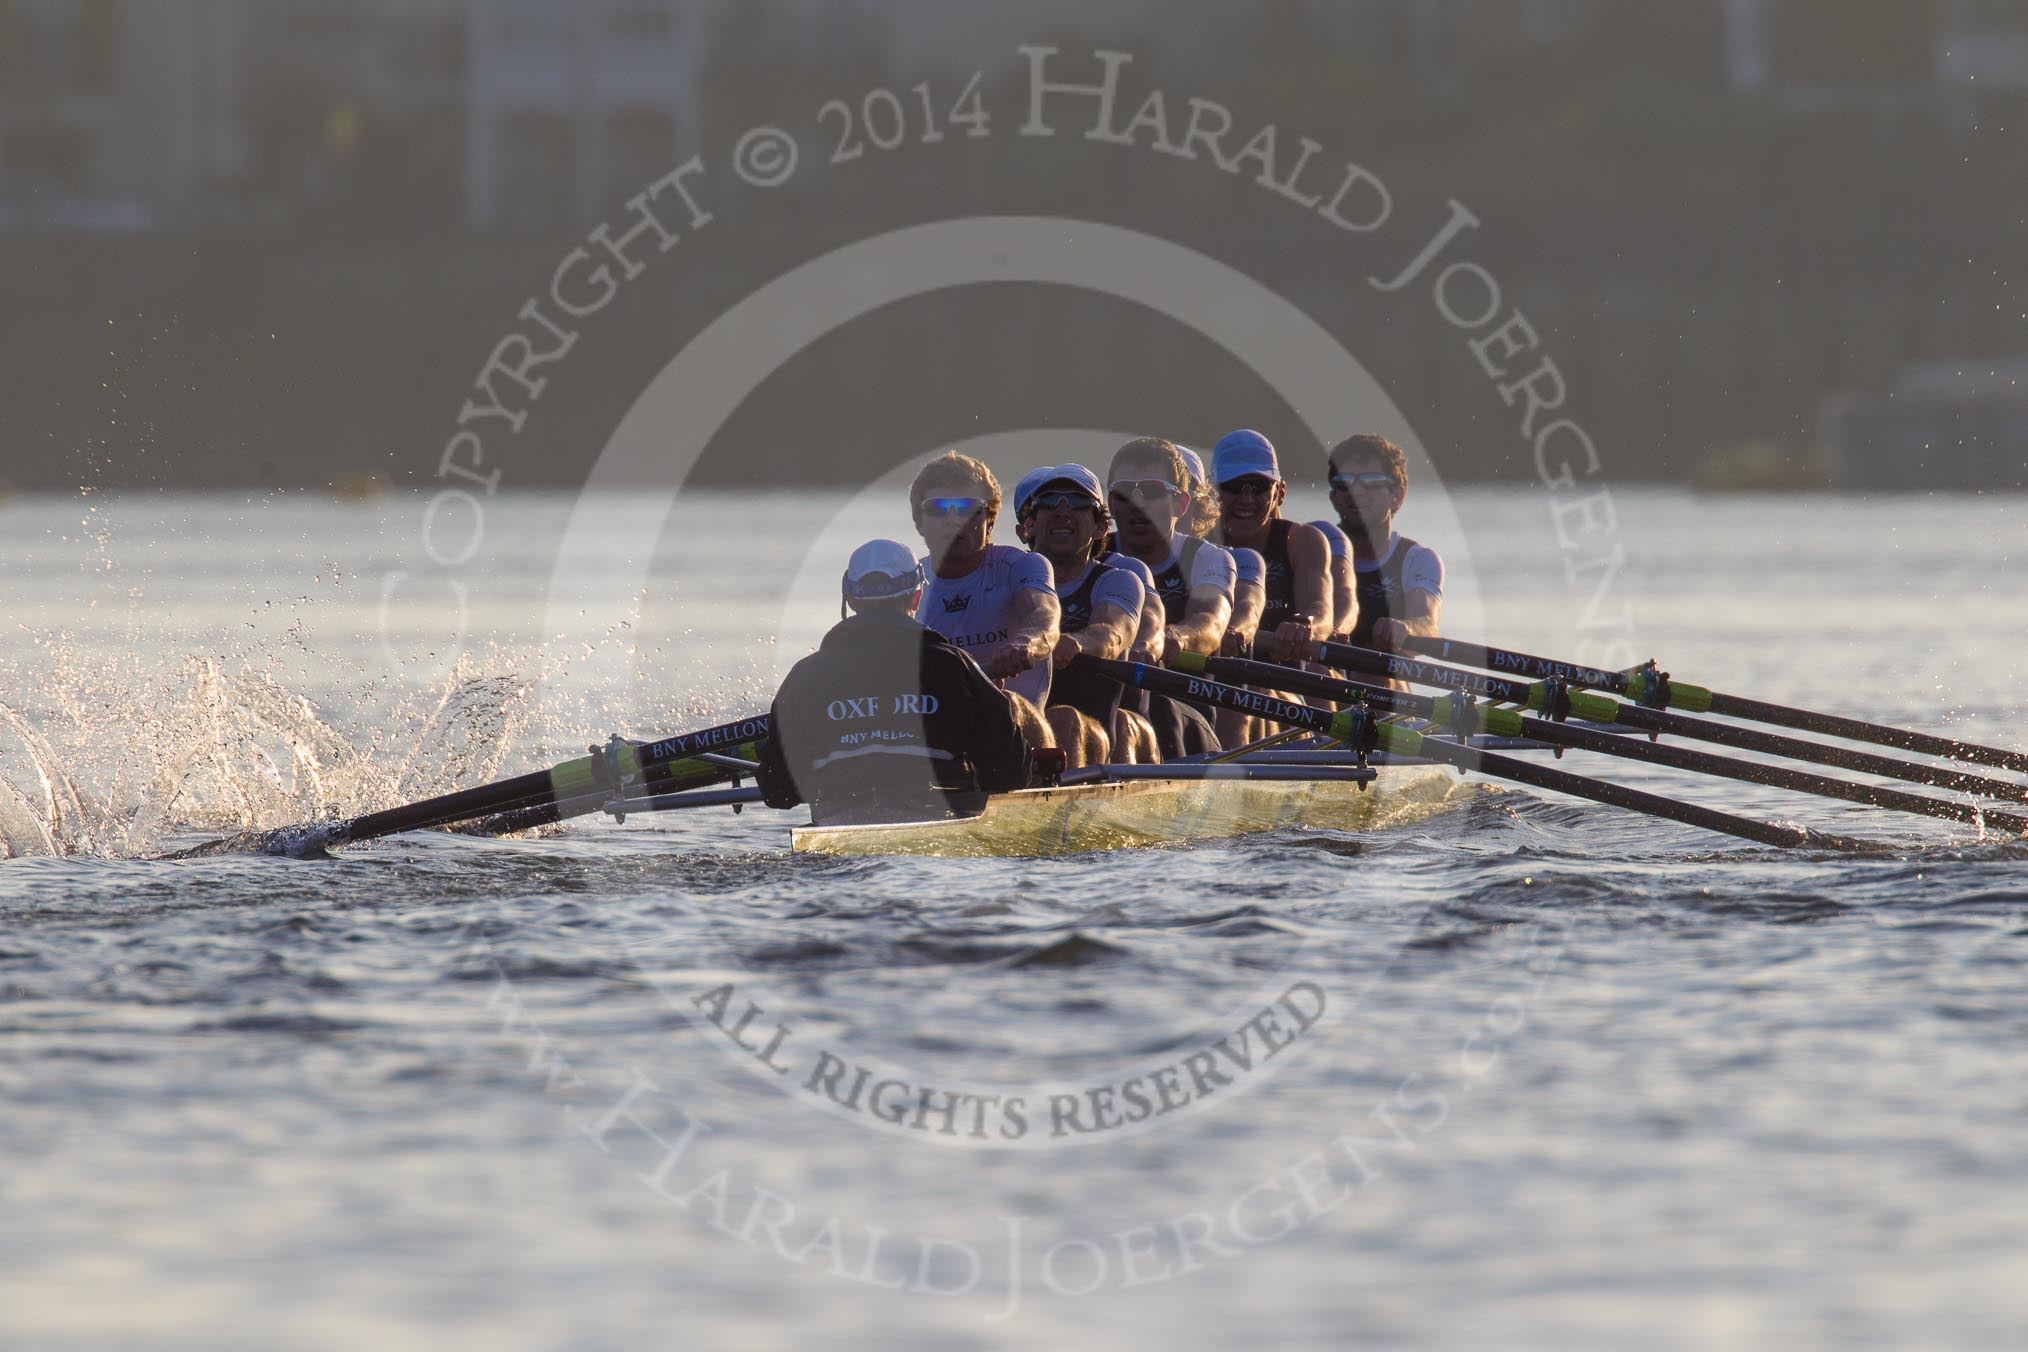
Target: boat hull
(1140,813)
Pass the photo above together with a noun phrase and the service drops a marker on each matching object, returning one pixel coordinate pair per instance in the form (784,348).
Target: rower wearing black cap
(886,711)
(1060,513)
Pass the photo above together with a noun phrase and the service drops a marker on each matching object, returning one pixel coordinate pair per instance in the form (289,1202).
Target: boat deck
(1128,813)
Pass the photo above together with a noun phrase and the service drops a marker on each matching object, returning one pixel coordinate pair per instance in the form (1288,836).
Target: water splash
(123,764)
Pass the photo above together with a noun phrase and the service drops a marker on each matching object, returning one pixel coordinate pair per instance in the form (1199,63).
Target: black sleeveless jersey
(1280,578)
(1083,690)
(1381,592)
(1172,584)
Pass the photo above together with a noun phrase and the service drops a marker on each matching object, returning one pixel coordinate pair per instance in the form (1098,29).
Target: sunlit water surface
(1581,1079)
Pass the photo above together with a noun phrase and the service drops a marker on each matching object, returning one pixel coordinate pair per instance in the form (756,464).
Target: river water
(1528,1073)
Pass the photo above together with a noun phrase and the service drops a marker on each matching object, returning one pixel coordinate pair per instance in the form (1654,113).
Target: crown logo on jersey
(956,605)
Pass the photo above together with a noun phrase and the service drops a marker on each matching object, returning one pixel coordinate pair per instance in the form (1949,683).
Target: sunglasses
(1369,479)
(949,507)
(1145,490)
(1049,502)
(1253,483)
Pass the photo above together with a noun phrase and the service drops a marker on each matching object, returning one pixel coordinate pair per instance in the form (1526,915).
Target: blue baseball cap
(1239,454)
(1076,475)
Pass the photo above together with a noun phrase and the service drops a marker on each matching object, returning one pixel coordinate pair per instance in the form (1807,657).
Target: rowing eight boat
(1125,813)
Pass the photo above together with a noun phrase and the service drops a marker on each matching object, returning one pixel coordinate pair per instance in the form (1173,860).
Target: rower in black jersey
(1399,583)
(1298,573)
(1193,577)
(1060,513)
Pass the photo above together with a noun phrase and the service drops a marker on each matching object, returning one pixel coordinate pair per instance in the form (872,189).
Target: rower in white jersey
(1060,513)
(1400,583)
(996,602)
(1193,578)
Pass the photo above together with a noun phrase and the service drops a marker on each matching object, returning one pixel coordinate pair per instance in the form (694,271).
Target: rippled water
(1573,1076)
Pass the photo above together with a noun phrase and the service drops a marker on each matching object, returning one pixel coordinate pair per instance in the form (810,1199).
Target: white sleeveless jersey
(976,611)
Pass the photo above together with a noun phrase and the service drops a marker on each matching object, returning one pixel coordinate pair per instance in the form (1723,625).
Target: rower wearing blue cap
(1298,575)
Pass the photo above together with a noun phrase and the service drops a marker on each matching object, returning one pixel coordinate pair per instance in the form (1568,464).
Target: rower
(1298,577)
(1249,592)
(1193,578)
(887,715)
(1400,583)
(1344,586)
(995,601)
(1060,513)
(1249,569)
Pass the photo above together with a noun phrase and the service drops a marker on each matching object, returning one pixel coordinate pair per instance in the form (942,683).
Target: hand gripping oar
(1461,713)
(1560,701)
(574,788)
(1650,687)
(1359,728)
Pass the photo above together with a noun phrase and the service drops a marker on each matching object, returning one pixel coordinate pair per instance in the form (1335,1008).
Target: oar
(1451,710)
(1361,729)
(574,788)
(1596,708)
(1649,686)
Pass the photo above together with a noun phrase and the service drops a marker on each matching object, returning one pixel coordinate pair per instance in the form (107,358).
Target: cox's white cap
(1192,462)
(881,570)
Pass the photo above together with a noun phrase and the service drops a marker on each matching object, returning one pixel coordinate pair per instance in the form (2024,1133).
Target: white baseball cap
(881,570)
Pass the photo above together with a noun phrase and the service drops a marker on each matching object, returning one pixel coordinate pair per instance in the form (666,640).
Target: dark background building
(270,242)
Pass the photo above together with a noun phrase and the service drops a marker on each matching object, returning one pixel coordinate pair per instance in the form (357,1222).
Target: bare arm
(1424,619)
(1345,596)
(1109,635)
(1203,625)
(1310,561)
(1031,636)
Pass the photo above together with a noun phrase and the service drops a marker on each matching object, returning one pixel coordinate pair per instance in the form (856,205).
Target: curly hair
(1202,518)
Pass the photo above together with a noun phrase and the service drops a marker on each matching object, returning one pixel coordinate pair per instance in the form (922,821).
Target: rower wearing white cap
(886,710)
(1060,513)
(995,601)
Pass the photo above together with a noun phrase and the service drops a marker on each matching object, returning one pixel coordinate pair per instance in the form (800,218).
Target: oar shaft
(1618,795)
(1775,776)
(1857,730)
(1623,747)
(1420,672)
(1698,699)
(1396,738)
(664,765)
